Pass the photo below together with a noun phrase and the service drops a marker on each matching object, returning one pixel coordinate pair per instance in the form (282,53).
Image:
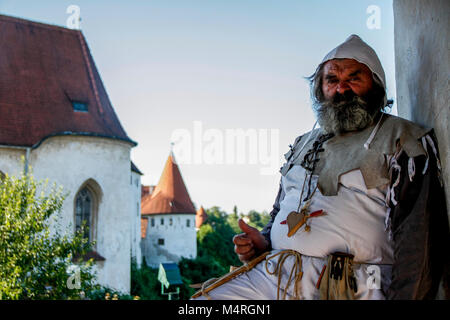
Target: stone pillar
(422,66)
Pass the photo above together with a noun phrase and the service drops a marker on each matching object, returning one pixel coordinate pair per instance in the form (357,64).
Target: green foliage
(215,239)
(144,282)
(258,220)
(198,270)
(35,263)
(104,293)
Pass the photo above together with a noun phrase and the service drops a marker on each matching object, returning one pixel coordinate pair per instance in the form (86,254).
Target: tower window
(188,223)
(161,242)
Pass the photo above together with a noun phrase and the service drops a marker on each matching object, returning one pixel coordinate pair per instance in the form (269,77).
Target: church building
(55,113)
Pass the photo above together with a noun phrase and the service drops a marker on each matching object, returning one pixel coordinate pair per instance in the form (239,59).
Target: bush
(35,263)
(144,282)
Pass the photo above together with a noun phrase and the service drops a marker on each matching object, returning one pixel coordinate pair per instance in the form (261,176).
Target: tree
(37,262)
(257,219)
(215,238)
(144,282)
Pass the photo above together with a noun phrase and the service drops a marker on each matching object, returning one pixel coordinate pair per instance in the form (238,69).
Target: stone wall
(422,60)
(135,218)
(179,238)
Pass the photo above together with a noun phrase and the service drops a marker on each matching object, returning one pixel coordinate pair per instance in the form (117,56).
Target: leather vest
(346,152)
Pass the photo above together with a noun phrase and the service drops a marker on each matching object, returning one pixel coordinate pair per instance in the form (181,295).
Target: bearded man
(360,212)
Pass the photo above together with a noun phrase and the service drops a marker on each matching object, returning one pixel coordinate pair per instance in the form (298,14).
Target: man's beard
(348,112)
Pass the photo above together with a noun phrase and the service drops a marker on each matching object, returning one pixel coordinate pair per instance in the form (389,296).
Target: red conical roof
(200,218)
(170,195)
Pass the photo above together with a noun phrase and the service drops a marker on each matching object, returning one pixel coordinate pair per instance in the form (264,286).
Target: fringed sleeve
(418,224)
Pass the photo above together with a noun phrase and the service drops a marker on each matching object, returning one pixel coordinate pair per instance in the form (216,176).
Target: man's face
(348,98)
(342,75)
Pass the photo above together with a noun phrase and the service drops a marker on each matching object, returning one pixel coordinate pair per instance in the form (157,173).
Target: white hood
(355,48)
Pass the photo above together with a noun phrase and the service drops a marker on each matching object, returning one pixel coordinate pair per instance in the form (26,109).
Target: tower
(168,216)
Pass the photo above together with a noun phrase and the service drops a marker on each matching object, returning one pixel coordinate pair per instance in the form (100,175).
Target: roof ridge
(13,19)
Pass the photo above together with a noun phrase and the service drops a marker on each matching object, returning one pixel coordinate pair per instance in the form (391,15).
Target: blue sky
(228,64)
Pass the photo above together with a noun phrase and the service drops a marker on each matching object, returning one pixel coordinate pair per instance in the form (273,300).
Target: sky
(200,72)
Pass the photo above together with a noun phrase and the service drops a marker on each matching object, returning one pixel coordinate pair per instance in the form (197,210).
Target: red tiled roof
(145,190)
(170,195)
(43,68)
(200,217)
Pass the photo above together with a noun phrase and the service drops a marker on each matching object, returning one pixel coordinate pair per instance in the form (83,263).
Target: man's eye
(332,80)
(354,79)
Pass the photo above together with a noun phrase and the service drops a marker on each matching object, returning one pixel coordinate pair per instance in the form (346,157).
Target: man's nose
(342,87)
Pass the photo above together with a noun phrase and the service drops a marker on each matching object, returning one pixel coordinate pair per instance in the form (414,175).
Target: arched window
(86,204)
(84,212)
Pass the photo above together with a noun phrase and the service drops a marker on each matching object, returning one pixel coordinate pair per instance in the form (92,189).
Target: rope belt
(296,271)
(336,281)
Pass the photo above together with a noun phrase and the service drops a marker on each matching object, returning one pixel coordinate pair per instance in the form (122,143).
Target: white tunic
(354,223)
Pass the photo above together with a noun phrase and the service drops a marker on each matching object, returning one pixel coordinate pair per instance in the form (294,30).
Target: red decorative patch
(283,222)
(316,213)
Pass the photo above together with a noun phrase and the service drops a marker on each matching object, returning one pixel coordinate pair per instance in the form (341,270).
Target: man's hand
(250,243)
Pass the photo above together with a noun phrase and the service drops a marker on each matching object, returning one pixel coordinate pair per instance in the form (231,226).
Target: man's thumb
(246,228)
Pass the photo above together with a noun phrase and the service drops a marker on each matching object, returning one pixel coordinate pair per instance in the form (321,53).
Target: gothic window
(153,222)
(170,221)
(84,207)
(162,221)
(188,223)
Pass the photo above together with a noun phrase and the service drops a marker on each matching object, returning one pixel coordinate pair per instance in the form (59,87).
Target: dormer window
(79,106)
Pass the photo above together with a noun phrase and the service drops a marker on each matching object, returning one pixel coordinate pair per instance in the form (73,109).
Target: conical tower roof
(170,195)
(200,217)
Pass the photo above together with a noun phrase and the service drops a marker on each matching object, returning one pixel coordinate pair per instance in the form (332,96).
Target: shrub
(36,263)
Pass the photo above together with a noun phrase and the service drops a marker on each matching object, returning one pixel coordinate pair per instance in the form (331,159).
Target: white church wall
(71,161)
(171,240)
(10,161)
